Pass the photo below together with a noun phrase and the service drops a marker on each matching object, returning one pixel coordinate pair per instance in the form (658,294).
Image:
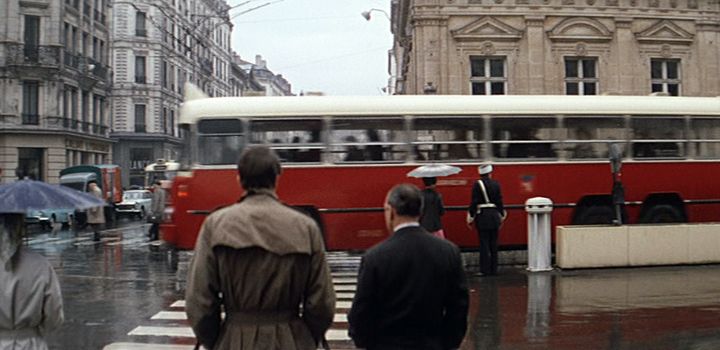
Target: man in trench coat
(411,291)
(259,261)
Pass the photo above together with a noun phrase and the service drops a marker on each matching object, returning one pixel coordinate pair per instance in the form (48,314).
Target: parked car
(136,202)
(46,218)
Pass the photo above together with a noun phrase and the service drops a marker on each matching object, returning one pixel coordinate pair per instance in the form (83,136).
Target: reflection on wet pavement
(641,308)
(123,285)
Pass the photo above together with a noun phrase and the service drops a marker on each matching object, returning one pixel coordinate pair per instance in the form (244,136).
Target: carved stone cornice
(580,29)
(623,22)
(535,21)
(421,21)
(707,26)
(664,31)
(487,28)
(40,4)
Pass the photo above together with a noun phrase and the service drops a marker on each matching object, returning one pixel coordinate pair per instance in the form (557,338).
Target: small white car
(137,202)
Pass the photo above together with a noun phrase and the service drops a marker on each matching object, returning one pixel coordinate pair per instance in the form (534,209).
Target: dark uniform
(487,221)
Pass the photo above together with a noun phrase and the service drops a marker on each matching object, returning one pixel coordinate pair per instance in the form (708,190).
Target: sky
(317,45)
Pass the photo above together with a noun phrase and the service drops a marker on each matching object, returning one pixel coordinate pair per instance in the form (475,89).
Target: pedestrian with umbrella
(30,297)
(433,208)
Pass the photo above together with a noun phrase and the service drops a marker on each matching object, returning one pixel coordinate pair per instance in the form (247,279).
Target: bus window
(705,134)
(219,141)
(657,137)
(519,137)
(367,139)
(589,137)
(294,140)
(450,138)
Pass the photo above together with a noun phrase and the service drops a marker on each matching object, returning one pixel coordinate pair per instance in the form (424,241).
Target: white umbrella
(434,170)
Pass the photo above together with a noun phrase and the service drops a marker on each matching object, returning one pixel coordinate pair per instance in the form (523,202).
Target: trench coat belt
(22,333)
(261,317)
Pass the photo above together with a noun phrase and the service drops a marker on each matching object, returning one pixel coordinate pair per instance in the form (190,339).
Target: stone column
(627,63)
(536,54)
(707,37)
(429,53)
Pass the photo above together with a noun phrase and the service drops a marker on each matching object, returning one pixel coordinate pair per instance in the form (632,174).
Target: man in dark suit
(411,290)
(487,211)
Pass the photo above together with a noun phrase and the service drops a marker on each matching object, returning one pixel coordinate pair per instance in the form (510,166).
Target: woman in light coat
(30,298)
(95,216)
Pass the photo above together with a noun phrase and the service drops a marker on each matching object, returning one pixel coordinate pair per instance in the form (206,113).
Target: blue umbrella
(24,195)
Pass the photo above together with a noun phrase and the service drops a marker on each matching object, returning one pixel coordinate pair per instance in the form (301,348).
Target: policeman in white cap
(487,212)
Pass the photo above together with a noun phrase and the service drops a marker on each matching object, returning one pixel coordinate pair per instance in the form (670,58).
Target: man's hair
(429,181)
(406,199)
(92,182)
(258,167)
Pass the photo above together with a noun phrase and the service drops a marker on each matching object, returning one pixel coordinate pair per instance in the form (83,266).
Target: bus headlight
(167,214)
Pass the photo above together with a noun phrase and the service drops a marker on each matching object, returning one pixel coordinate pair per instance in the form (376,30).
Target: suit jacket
(411,294)
(489,218)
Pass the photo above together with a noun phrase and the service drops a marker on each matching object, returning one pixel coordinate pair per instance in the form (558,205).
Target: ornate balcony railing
(77,125)
(34,55)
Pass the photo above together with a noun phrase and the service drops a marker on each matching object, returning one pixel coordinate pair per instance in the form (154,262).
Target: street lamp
(366,14)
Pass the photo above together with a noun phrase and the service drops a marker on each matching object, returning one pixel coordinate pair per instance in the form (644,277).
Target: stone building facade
(623,47)
(54,86)
(158,46)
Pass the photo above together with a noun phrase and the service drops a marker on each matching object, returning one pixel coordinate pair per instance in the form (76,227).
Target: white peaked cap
(485,169)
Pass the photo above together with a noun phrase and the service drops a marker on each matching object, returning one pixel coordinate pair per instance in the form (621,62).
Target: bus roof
(167,165)
(307,106)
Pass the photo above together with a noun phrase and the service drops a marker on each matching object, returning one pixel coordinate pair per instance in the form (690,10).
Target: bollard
(539,209)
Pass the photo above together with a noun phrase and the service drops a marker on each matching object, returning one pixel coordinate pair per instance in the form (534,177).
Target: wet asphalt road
(124,290)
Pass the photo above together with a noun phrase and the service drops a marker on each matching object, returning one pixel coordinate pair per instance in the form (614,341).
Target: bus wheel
(663,213)
(595,215)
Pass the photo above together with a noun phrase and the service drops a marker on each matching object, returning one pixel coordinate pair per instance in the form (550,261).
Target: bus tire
(595,215)
(663,213)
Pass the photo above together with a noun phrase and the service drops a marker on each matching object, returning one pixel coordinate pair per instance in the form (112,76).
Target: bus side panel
(350,198)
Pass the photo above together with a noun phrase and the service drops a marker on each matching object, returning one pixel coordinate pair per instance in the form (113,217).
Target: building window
(31,163)
(140,70)
(84,104)
(163,74)
(172,122)
(581,76)
(140,29)
(32,38)
(140,118)
(665,76)
(163,120)
(487,75)
(30,103)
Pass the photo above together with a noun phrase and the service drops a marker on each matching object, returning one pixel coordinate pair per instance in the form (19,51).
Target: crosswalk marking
(172,321)
(178,331)
(345,288)
(42,240)
(344,280)
(143,346)
(344,295)
(170,315)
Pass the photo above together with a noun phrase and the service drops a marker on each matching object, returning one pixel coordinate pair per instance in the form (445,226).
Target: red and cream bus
(342,154)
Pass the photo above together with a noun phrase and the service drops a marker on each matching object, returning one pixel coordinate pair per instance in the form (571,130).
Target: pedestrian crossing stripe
(179,332)
(344,284)
(182,316)
(144,346)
